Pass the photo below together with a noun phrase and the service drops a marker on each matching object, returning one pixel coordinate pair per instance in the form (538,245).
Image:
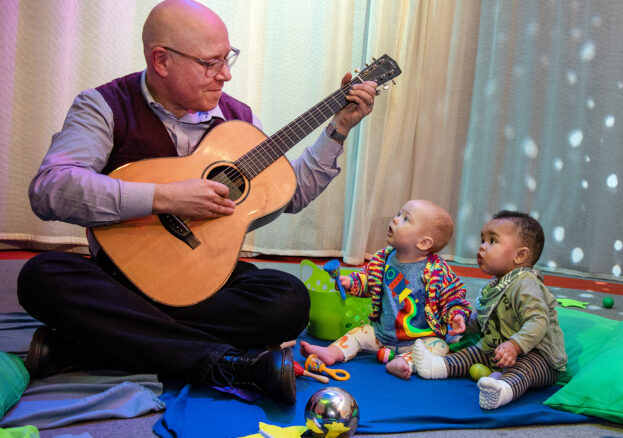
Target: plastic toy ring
(316,365)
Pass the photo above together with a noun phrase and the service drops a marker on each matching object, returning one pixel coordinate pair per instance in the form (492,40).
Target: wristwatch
(333,134)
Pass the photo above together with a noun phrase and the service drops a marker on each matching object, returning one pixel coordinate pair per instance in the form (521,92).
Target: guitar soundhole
(231,177)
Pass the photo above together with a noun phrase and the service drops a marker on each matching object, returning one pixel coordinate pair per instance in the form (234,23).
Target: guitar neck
(275,146)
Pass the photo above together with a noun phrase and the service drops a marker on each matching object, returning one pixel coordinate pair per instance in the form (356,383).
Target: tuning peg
(386,87)
(378,92)
(357,70)
(393,82)
(373,59)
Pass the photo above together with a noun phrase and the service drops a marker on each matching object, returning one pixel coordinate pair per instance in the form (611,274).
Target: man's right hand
(193,199)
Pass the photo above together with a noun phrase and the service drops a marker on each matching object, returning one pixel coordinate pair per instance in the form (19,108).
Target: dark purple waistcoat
(138,132)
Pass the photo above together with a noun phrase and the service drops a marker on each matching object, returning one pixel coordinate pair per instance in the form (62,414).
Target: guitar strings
(254,159)
(315,110)
(255,156)
(272,144)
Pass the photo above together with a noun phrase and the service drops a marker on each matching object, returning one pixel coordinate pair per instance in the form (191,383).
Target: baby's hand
(346,282)
(506,353)
(458,325)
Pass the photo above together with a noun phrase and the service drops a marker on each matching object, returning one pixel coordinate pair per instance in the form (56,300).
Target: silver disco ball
(331,412)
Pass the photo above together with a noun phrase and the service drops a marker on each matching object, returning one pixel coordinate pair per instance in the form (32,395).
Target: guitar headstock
(382,70)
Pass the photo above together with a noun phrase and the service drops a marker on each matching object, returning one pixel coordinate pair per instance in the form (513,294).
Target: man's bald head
(183,24)
(176,34)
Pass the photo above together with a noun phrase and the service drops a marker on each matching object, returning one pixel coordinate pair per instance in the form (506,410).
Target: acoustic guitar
(180,262)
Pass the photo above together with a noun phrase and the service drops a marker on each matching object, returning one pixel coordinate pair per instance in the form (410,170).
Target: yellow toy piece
(271,431)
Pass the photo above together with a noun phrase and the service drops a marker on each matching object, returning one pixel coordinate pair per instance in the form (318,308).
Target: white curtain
(515,104)
(545,130)
(401,151)
(50,52)
(294,54)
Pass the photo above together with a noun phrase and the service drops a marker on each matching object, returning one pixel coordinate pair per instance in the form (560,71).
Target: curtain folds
(501,104)
(409,147)
(544,132)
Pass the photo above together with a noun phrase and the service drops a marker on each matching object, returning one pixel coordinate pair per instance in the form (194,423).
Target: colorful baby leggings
(363,339)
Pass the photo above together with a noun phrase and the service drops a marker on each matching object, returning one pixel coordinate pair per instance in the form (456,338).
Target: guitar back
(164,266)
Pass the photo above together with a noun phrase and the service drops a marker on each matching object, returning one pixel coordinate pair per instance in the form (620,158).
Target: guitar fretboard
(275,146)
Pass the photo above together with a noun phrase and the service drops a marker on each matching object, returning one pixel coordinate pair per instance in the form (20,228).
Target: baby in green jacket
(515,313)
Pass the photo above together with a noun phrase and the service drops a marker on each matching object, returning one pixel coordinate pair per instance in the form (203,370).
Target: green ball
(608,302)
(479,370)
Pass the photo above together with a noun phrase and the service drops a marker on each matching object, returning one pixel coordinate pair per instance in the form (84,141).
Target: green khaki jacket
(527,315)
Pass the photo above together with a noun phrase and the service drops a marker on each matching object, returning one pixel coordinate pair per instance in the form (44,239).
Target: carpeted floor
(587,291)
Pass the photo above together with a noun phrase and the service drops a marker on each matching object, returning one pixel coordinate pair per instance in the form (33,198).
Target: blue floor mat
(387,404)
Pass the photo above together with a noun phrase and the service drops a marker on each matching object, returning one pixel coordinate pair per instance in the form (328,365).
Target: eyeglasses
(213,66)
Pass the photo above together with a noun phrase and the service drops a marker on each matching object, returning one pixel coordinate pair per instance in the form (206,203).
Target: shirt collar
(193,118)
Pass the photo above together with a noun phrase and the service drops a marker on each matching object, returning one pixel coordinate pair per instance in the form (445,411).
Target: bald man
(86,303)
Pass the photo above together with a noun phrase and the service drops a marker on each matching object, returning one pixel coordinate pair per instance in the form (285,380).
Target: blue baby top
(404,296)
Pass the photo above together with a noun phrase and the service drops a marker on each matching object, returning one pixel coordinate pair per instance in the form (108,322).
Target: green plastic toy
(568,302)
(330,317)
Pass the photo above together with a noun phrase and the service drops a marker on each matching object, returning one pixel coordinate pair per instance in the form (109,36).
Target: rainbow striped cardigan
(445,292)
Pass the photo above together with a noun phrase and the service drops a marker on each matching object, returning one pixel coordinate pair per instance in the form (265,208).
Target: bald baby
(439,222)
(420,228)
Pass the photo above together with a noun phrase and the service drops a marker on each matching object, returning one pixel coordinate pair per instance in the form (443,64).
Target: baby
(414,292)
(515,313)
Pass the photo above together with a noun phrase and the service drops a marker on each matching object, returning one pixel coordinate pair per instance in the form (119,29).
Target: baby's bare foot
(399,368)
(329,355)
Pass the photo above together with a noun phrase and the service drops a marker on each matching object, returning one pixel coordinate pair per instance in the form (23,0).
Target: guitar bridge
(179,229)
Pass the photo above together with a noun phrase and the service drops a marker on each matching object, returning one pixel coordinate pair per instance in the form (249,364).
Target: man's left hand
(361,101)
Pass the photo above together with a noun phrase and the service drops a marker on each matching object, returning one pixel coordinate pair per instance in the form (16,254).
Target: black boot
(270,372)
(49,353)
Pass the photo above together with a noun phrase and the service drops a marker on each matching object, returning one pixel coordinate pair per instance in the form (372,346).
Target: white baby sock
(427,365)
(494,393)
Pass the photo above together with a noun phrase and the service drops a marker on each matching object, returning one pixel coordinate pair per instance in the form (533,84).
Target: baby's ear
(522,255)
(425,243)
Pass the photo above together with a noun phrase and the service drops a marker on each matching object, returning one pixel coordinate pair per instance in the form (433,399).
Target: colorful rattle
(300,371)
(316,365)
(333,269)
(385,354)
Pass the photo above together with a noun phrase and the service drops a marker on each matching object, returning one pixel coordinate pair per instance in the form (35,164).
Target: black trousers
(94,305)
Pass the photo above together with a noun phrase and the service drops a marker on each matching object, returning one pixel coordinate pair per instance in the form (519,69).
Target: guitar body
(167,268)
(180,263)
